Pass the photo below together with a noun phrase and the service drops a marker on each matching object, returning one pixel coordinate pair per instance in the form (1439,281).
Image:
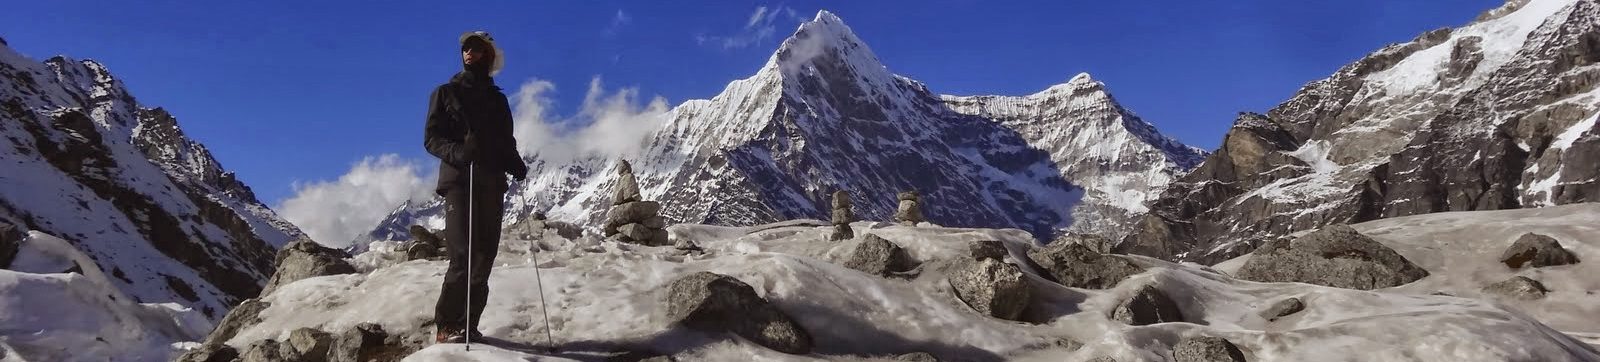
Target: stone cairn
(909,212)
(842,217)
(631,219)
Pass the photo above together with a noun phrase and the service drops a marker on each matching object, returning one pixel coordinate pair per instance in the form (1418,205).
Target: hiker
(469,130)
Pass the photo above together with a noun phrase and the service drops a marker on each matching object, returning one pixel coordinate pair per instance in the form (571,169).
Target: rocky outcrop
(1282,308)
(1534,250)
(10,243)
(243,316)
(308,345)
(1147,306)
(211,353)
(1467,129)
(265,350)
(722,304)
(917,357)
(987,249)
(842,215)
(1206,349)
(1518,287)
(877,256)
(425,244)
(992,288)
(1336,256)
(1075,265)
(910,210)
(631,219)
(358,344)
(304,258)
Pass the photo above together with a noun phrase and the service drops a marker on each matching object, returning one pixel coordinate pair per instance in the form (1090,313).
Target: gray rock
(842,232)
(908,196)
(1536,251)
(687,245)
(304,259)
(1519,287)
(716,303)
(211,353)
(358,344)
(421,251)
(660,237)
(987,249)
(10,242)
(1147,306)
(909,212)
(1103,359)
(265,350)
(422,235)
(310,345)
(841,216)
(627,189)
(877,256)
(993,288)
(917,357)
(655,222)
(1336,256)
(1095,242)
(1075,265)
(841,200)
(1283,308)
(246,314)
(637,233)
(1206,349)
(629,213)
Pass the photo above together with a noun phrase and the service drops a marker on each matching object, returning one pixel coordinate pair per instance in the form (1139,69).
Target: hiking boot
(449,335)
(476,335)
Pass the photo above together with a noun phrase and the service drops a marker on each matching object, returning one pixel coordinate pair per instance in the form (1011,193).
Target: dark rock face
(992,288)
(880,257)
(304,259)
(1536,251)
(1336,256)
(987,249)
(211,353)
(718,303)
(1283,308)
(1475,138)
(1518,287)
(10,243)
(1076,266)
(1147,306)
(243,316)
(1206,349)
(358,344)
(309,345)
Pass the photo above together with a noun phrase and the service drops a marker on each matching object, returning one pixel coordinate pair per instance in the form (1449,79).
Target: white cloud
(617,22)
(607,124)
(760,26)
(335,212)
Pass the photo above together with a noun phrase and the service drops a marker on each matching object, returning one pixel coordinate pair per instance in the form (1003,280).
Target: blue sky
(286,91)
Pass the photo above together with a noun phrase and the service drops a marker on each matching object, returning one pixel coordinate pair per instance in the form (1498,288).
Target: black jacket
(471,103)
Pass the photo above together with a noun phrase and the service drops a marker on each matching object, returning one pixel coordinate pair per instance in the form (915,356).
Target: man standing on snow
(469,130)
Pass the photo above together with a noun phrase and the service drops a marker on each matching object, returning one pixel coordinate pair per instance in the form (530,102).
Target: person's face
(475,53)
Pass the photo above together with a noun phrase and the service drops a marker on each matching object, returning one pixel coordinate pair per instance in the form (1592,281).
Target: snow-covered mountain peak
(826,44)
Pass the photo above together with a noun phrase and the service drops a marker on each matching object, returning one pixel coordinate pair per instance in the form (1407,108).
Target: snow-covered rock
(604,299)
(1497,114)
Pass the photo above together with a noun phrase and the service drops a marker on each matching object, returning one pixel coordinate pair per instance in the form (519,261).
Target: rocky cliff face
(825,115)
(1496,114)
(83,160)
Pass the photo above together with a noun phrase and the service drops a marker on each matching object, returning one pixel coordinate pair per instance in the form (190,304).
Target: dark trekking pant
(450,311)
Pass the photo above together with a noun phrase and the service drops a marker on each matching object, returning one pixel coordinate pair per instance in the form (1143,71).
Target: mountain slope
(824,114)
(121,183)
(1497,114)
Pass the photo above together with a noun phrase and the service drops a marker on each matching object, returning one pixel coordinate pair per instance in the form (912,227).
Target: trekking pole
(538,280)
(471,170)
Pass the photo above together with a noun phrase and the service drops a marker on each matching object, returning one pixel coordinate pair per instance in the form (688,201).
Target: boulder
(687,245)
(1519,287)
(917,357)
(422,235)
(304,259)
(265,350)
(659,237)
(993,288)
(10,242)
(841,200)
(246,314)
(1147,306)
(877,256)
(908,196)
(628,213)
(987,249)
(1335,256)
(1283,308)
(211,353)
(716,303)
(1536,251)
(841,232)
(908,212)
(358,344)
(627,189)
(655,222)
(1097,243)
(637,233)
(421,251)
(1075,265)
(1206,349)
(841,216)
(310,345)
